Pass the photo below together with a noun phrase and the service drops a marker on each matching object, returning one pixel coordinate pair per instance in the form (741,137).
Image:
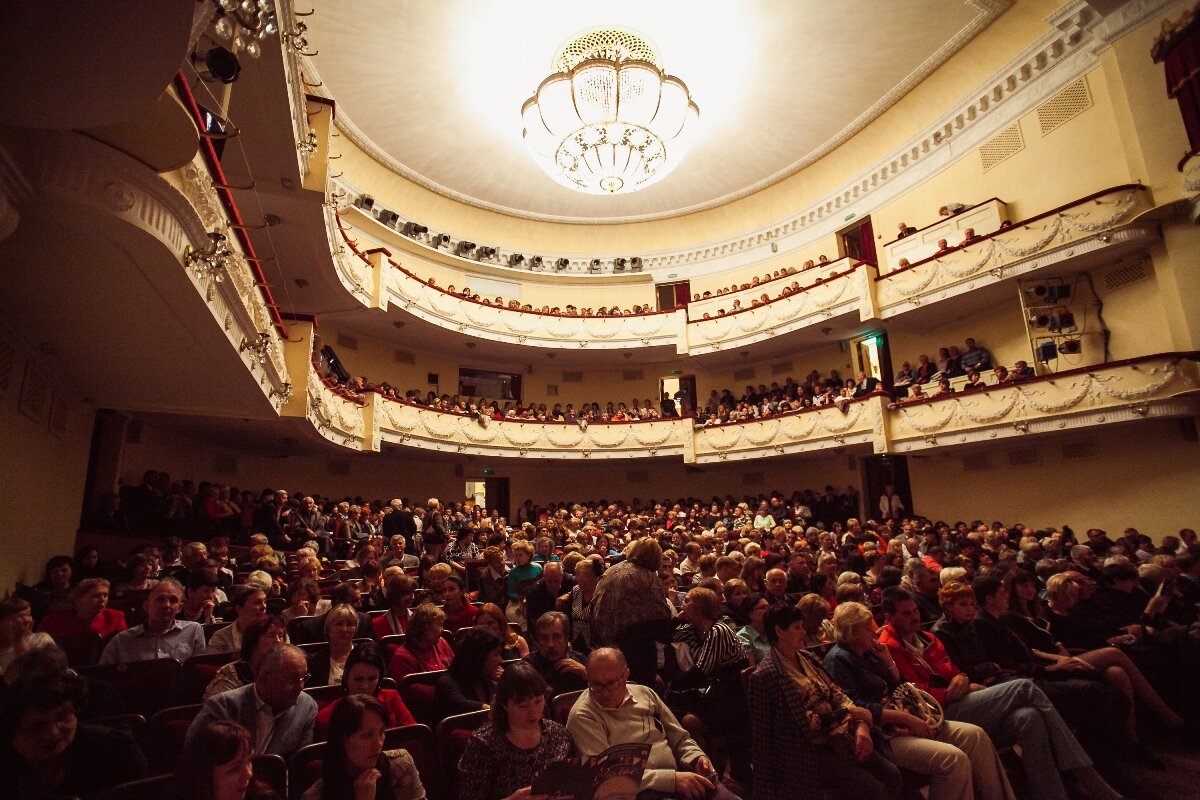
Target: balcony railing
(1102,221)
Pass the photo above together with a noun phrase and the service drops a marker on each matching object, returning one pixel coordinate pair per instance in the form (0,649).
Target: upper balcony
(1071,238)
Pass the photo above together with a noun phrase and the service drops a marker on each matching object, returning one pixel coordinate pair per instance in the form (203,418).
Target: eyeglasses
(597,686)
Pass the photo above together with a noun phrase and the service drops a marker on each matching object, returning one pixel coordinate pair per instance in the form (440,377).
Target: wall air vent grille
(753,479)
(1024,457)
(1004,145)
(633,375)
(402,357)
(572,377)
(1123,276)
(8,361)
(1064,106)
(1077,450)
(976,462)
(782,368)
(744,374)
(552,390)
(347,342)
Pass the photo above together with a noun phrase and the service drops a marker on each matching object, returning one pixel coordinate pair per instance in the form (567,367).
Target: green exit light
(488,471)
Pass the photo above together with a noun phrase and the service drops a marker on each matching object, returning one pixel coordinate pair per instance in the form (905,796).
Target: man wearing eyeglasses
(611,711)
(275,708)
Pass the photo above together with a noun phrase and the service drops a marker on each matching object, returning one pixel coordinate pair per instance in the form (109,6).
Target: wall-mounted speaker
(432,378)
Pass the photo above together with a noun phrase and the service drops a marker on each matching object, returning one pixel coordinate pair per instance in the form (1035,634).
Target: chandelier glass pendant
(609,120)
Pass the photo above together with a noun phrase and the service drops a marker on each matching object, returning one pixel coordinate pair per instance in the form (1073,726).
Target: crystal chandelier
(609,120)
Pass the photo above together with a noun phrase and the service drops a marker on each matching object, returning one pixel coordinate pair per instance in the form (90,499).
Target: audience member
(355,765)
(162,635)
(275,709)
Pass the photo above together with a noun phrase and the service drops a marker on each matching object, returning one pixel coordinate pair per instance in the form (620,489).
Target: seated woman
(216,766)
(1026,618)
(46,753)
(399,591)
(325,666)
(16,639)
(577,605)
(815,617)
(371,586)
(139,566)
(250,604)
(718,660)
(491,616)
(959,758)
(51,592)
(363,673)
(736,591)
(356,765)
(89,612)
(753,636)
(800,717)
(424,649)
(305,600)
(460,612)
(470,681)
(502,755)
(257,641)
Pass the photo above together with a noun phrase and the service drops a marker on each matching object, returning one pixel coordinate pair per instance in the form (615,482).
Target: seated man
(275,709)
(975,357)
(563,669)
(612,712)
(905,230)
(546,591)
(162,635)
(777,586)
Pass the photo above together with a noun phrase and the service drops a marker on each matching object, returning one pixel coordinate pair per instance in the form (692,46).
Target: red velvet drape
(1181,59)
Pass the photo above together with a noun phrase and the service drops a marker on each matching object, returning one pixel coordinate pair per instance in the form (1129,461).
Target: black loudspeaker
(432,378)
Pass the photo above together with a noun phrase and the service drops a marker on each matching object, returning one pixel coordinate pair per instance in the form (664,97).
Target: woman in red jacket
(89,613)
(362,675)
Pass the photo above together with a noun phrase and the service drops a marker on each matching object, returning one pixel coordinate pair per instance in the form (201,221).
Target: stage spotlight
(515,260)
(387,217)
(561,264)
(594,265)
(365,202)
(217,65)
(463,247)
(535,262)
(619,264)
(635,264)
(441,240)
(414,229)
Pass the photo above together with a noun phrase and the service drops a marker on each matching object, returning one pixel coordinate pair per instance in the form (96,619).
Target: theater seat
(198,672)
(562,704)
(452,736)
(145,686)
(139,790)
(165,734)
(417,691)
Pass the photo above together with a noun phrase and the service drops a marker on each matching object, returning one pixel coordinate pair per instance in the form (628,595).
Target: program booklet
(615,774)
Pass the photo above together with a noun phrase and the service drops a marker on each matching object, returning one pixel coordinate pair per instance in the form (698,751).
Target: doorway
(871,355)
(880,471)
(673,295)
(496,496)
(682,389)
(858,241)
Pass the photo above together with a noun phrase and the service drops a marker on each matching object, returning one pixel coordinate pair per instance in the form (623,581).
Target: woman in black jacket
(470,681)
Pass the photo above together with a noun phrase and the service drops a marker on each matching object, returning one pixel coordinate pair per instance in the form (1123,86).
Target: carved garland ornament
(1105,383)
(564,442)
(519,434)
(653,441)
(608,436)
(470,428)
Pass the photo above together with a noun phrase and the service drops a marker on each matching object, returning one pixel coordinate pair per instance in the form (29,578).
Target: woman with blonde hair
(325,667)
(958,757)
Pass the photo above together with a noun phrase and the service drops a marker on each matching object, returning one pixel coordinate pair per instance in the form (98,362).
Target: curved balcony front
(415,426)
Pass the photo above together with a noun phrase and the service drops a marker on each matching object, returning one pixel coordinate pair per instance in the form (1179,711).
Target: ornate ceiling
(433,89)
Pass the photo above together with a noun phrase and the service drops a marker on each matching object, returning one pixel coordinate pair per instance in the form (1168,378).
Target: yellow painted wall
(42,479)
(999,327)
(1145,475)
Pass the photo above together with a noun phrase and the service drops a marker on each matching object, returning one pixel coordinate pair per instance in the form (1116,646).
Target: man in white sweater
(612,712)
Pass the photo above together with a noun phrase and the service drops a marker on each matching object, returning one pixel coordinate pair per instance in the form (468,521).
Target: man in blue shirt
(162,636)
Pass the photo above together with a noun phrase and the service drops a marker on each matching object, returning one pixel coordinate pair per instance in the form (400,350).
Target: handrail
(590,423)
(801,290)
(795,412)
(1023,223)
(943,219)
(1180,355)
(220,186)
